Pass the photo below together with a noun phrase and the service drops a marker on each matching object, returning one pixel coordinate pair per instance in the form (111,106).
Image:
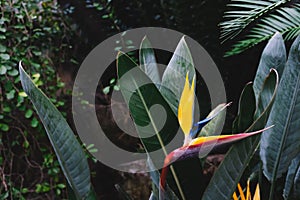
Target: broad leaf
(68,150)
(246,109)
(273,56)
(291,179)
(173,78)
(226,178)
(148,61)
(266,94)
(280,145)
(155,121)
(156,126)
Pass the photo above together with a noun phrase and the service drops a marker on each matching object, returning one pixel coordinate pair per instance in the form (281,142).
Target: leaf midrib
(285,129)
(159,138)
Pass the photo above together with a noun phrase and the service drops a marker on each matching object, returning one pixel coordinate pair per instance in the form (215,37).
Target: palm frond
(243,13)
(285,20)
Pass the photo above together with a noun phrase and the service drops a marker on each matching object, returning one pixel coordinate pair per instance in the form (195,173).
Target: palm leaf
(243,13)
(285,20)
(67,149)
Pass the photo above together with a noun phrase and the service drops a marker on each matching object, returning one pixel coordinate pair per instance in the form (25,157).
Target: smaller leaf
(106,90)
(28,113)
(2,70)
(4,56)
(13,72)
(273,56)
(34,122)
(246,109)
(290,178)
(4,127)
(148,61)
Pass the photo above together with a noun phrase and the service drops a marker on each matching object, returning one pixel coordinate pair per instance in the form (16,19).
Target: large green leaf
(156,125)
(155,121)
(246,110)
(148,61)
(226,178)
(291,180)
(280,145)
(68,150)
(173,78)
(273,56)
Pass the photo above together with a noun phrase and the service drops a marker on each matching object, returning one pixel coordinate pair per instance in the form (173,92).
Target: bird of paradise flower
(194,146)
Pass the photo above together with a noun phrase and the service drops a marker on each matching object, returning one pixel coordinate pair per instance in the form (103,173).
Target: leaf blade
(68,150)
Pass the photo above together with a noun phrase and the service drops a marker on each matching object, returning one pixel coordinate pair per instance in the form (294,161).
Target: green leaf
(246,110)
(106,90)
(277,16)
(266,94)
(2,70)
(34,122)
(4,56)
(174,76)
(141,94)
(291,179)
(148,61)
(68,150)
(28,113)
(226,178)
(215,126)
(4,127)
(296,189)
(2,48)
(10,94)
(280,145)
(13,72)
(155,122)
(245,12)
(273,56)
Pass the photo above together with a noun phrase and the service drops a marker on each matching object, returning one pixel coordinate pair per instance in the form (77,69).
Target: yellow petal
(257,193)
(186,106)
(234,196)
(248,193)
(241,192)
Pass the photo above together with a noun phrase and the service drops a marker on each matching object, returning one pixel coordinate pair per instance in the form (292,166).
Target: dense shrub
(37,33)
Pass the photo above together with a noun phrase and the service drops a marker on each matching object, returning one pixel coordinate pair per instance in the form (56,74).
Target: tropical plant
(67,149)
(263,100)
(258,20)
